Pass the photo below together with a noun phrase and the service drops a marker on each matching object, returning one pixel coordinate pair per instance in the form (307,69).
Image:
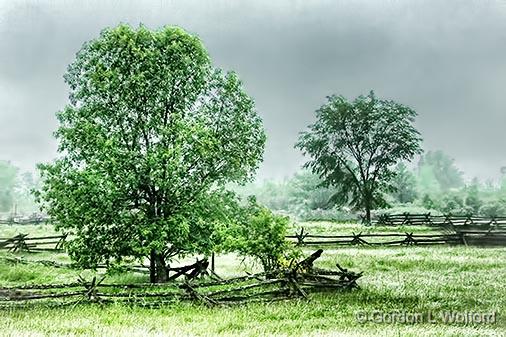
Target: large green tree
(151,135)
(355,145)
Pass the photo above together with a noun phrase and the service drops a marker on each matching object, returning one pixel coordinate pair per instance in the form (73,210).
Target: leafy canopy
(354,146)
(151,134)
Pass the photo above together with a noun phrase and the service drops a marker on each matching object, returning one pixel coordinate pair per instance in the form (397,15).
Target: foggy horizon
(445,60)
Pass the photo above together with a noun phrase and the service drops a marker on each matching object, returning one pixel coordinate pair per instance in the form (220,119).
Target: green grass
(410,279)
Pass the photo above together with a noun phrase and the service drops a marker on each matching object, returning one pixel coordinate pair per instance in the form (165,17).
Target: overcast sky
(446,59)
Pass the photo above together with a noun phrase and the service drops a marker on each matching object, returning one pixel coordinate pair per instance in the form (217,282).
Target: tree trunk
(162,271)
(367,206)
(368,213)
(152,266)
(158,271)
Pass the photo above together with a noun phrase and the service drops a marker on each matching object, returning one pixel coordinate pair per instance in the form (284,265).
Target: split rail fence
(24,242)
(427,219)
(298,280)
(465,237)
(468,230)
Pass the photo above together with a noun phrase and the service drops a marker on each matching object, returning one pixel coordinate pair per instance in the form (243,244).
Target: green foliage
(259,233)
(354,146)
(151,134)
(452,203)
(472,199)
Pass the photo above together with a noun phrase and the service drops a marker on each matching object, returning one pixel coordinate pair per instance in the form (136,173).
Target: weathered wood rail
(488,237)
(24,242)
(427,219)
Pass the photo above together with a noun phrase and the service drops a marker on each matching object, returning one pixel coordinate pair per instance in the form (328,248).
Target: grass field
(396,279)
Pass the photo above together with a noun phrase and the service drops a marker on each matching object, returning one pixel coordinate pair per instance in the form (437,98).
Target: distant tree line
(433,184)
(437,184)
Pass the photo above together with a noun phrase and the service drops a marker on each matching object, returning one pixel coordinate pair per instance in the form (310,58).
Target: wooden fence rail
(24,242)
(474,237)
(440,220)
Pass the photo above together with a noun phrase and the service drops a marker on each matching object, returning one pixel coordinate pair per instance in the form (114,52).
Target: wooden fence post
(61,242)
(409,240)
(301,236)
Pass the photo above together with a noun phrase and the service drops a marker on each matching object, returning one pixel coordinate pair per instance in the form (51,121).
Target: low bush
(260,234)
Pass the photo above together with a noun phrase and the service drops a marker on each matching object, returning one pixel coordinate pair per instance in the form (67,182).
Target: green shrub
(260,234)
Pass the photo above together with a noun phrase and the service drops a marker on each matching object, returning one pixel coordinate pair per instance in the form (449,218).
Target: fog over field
(446,59)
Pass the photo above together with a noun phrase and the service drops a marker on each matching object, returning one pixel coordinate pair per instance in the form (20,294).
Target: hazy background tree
(427,183)
(404,184)
(8,173)
(306,189)
(354,147)
(443,167)
(16,187)
(428,202)
(27,184)
(151,135)
(273,194)
(472,199)
(302,196)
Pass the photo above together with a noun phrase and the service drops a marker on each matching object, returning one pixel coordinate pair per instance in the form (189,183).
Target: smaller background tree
(354,146)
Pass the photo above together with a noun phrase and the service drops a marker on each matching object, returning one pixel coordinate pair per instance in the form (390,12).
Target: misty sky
(446,59)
